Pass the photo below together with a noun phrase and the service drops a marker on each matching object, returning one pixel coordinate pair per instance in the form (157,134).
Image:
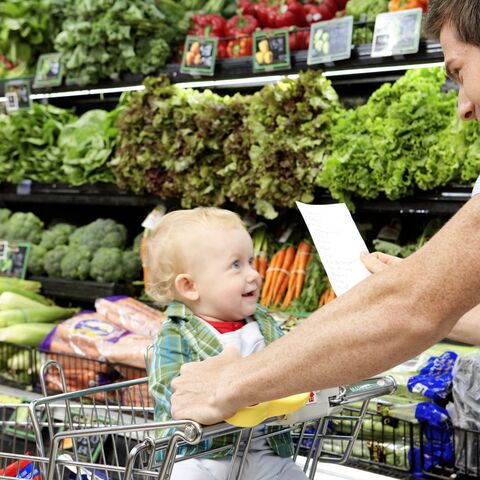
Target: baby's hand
(378,261)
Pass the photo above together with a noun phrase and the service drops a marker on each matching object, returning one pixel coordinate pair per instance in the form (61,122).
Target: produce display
(393,143)
(95,251)
(50,144)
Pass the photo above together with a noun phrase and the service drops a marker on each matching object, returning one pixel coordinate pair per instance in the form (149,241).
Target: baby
(199,262)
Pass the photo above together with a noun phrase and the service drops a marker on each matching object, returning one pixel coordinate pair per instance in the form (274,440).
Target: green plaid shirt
(185,338)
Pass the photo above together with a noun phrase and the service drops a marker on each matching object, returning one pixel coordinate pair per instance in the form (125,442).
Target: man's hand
(378,261)
(201,390)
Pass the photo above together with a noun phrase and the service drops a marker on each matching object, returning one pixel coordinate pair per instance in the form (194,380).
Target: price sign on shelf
(271,51)
(17,94)
(397,33)
(330,41)
(199,55)
(49,71)
(14,258)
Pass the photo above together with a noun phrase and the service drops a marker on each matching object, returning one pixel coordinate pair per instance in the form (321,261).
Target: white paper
(338,243)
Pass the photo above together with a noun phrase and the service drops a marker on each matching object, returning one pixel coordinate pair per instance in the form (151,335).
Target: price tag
(199,55)
(17,93)
(49,71)
(330,41)
(14,258)
(271,51)
(24,187)
(397,33)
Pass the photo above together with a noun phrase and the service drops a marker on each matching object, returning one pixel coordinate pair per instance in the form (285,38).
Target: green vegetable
(383,146)
(75,265)
(53,260)
(24,226)
(28,146)
(87,145)
(7,283)
(366,10)
(10,300)
(56,235)
(36,259)
(27,293)
(107,265)
(104,38)
(5,214)
(132,265)
(100,233)
(34,315)
(30,334)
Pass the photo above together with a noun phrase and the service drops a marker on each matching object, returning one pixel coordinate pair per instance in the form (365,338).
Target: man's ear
(186,288)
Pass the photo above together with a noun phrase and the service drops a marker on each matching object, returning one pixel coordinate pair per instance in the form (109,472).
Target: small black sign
(271,51)
(14,258)
(199,55)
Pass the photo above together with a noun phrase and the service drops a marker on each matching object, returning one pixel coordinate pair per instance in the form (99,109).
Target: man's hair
(172,239)
(462,15)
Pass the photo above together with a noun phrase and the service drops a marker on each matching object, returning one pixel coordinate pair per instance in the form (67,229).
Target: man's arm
(387,319)
(467,329)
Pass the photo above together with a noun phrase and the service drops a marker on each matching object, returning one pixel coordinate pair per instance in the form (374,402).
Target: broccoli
(107,265)
(24,226)
(137,242)
(75,265)
(36,259)
(56,235)
(100,233)
(4,215)
(132,265)
(53,259)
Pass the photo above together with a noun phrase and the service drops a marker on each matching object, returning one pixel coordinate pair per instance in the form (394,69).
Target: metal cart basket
(109,432)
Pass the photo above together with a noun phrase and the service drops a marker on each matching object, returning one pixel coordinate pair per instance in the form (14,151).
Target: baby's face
(223,274)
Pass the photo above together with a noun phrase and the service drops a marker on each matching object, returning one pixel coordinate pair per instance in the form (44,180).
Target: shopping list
(338,243)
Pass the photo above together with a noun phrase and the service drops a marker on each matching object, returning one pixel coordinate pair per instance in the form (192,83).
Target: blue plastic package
(435,379)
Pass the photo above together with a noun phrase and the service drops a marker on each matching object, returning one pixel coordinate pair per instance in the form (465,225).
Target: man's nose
(466,108)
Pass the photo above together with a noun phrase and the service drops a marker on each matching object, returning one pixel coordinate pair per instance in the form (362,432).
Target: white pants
(261,464)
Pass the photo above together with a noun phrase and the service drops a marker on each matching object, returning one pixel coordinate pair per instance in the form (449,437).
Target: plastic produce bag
(465,413)
(435,379)
(131,315)
(89,335)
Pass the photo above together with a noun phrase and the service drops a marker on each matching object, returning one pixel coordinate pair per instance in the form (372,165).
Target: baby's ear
(186,288)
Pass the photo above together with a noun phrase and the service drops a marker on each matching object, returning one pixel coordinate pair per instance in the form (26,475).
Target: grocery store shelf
(441,202)
(59,193)
(235,73)
(75,291)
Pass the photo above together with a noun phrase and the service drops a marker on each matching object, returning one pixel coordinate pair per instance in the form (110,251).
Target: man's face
(462,62)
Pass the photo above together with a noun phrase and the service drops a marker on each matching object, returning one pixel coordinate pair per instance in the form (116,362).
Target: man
(388,318)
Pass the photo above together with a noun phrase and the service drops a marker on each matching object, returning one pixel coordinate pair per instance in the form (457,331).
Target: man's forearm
(467,329)
(387,319)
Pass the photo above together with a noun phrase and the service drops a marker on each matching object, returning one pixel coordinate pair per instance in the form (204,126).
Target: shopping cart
(108,432)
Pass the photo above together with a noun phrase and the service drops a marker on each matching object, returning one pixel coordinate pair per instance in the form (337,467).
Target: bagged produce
(90,335)
(130,314)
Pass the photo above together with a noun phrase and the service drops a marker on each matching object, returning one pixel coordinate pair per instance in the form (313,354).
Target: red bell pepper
(240,47)
(296,40)
(248,7)
(241,24)
(325,10)
(208,25)
(222,49)
(281,14)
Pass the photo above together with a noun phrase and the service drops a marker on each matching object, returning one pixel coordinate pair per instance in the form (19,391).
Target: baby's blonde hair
(165,246)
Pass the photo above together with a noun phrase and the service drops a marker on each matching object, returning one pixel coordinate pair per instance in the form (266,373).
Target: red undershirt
(225,327)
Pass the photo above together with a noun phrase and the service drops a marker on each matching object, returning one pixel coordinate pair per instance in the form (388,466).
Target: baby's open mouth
(249,294)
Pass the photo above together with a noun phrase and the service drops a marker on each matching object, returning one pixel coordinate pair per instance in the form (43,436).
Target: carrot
(256,265)
(262,263)
(281,291)
(276,271)
(284,270)
(304,252)
(269,278)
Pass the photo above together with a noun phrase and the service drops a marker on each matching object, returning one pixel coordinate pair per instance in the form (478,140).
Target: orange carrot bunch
(326,297)
(260,247)
(297,275)
(285,275)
